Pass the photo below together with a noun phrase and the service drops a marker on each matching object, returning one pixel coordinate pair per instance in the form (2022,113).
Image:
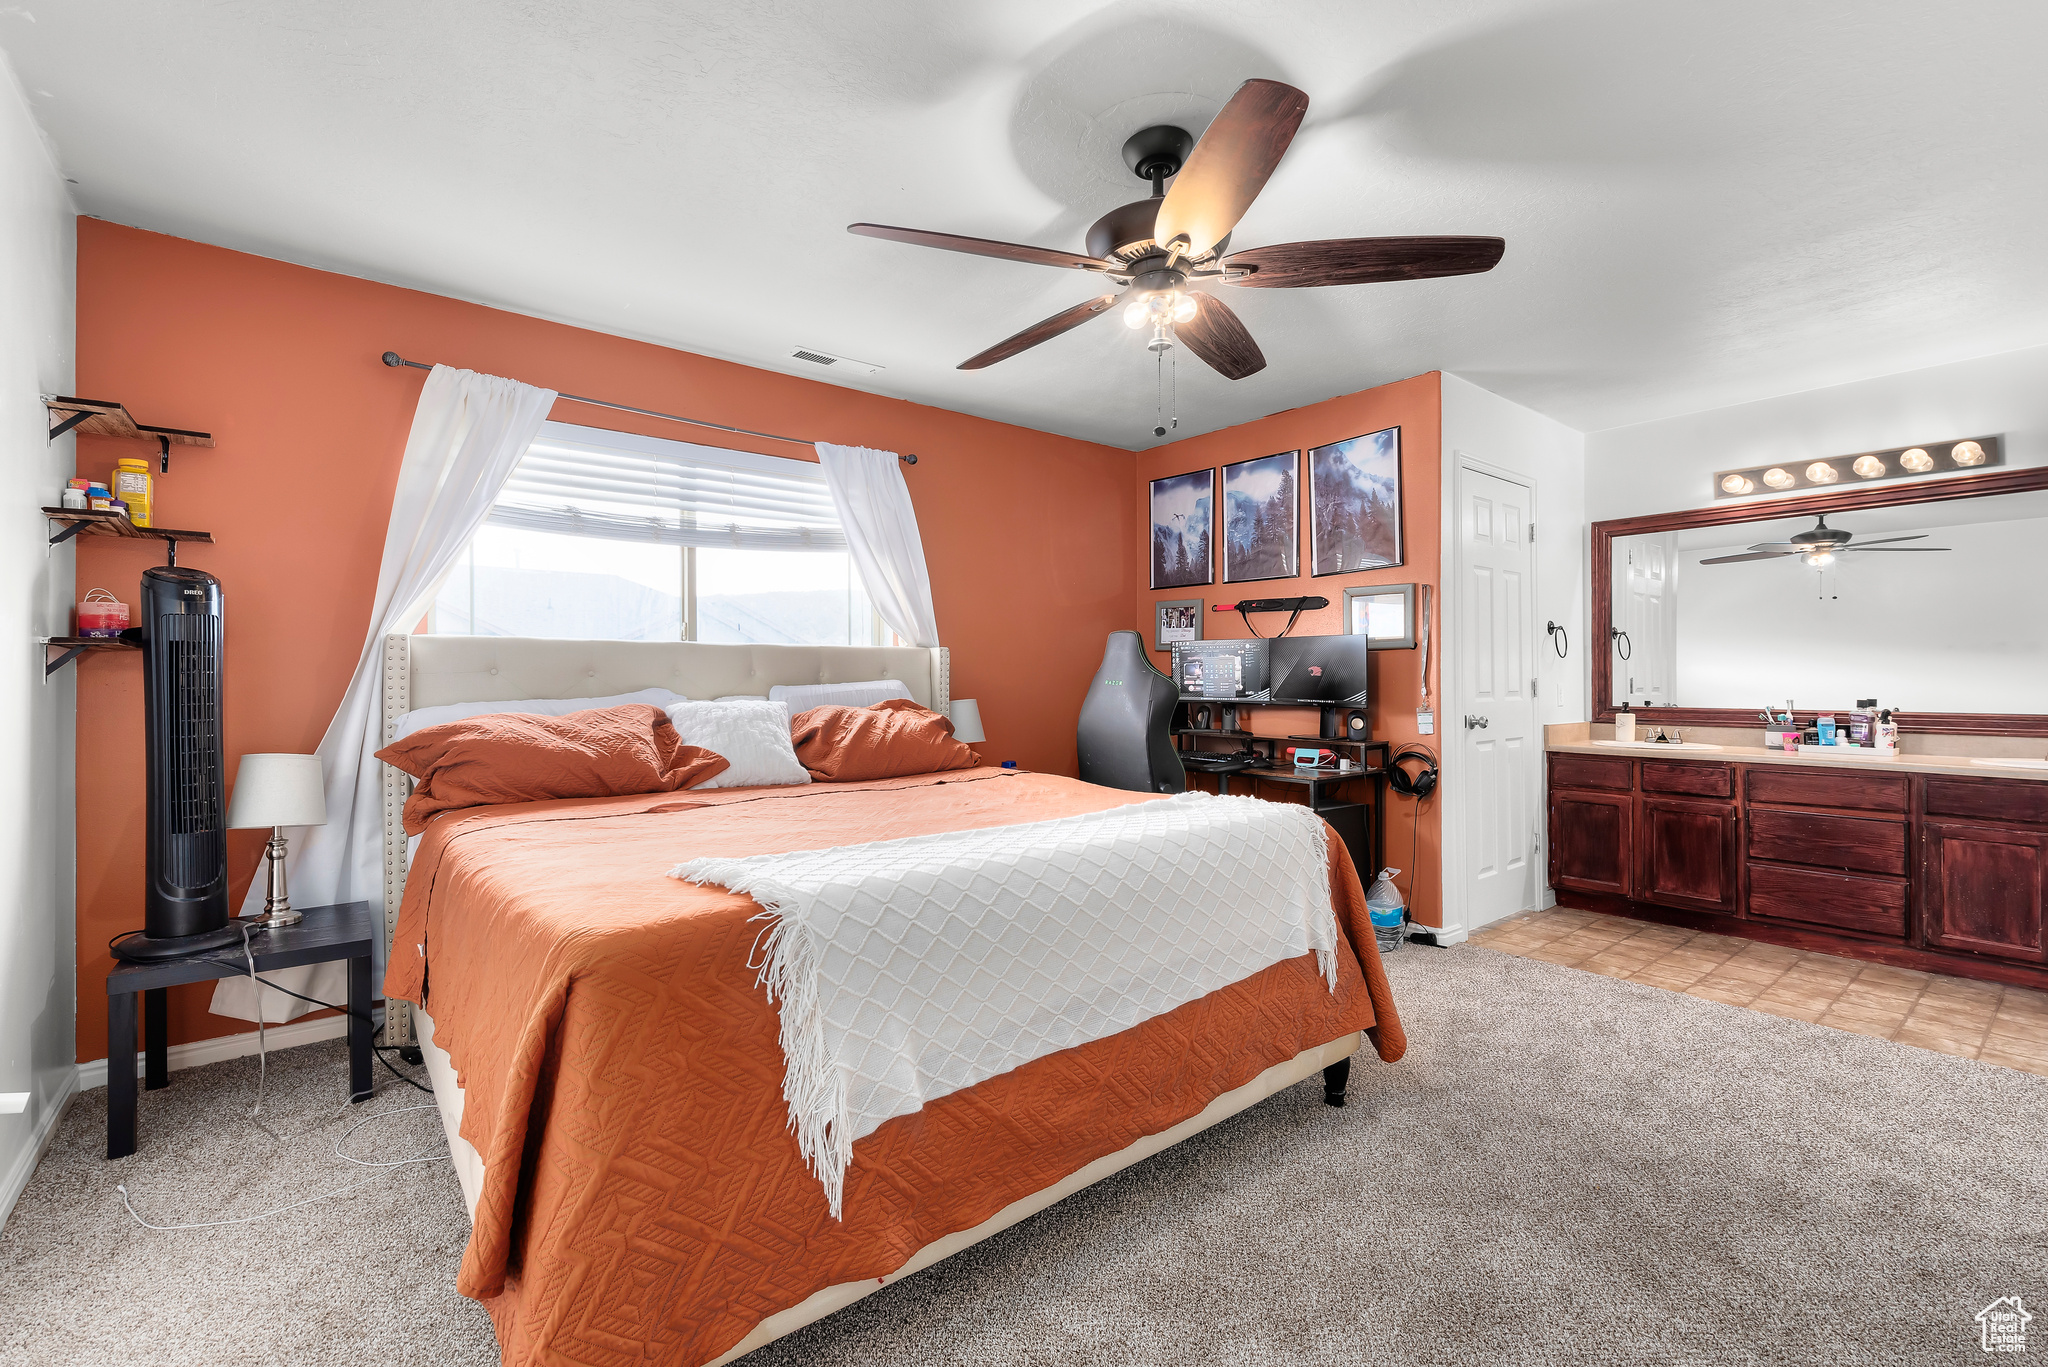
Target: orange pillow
(890,739)
(513,757)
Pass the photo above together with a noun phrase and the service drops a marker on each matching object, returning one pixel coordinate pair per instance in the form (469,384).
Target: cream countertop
(1757,754)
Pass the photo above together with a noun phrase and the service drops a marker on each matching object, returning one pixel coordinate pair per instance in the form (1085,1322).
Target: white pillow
(803,697)
(743,697)
(753,737)
(423,717)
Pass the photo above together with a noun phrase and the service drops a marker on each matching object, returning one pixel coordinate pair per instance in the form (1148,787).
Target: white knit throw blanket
(909,969)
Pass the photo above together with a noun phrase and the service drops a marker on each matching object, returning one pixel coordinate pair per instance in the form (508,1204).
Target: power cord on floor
(310,1200)
(377,1050)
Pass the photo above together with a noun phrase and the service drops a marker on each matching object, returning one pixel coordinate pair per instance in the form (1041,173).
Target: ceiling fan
(1820,546)
(1159,248)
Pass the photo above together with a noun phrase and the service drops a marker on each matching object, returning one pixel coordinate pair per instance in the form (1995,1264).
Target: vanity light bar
(1904,462)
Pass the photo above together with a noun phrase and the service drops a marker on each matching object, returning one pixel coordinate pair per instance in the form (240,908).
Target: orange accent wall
(1415,406)
(1025,533)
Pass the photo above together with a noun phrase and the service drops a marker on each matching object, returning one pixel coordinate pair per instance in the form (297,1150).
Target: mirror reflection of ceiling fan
(1158,249)
(1820,546)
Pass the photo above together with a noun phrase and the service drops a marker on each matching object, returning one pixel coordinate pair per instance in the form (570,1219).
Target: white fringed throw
(909,969)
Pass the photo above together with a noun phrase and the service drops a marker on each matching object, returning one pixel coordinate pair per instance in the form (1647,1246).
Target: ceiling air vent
(816,357)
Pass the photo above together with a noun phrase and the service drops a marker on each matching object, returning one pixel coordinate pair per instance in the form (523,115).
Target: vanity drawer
(1988,799)
(1826,788)
(1823,840)
(1874,906)
(1589,771)
(1696,780)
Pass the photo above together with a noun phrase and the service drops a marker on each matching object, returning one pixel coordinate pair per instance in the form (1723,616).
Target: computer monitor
(1326,670)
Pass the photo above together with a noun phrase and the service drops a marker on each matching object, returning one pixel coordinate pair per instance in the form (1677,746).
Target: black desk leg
(156,1071)
(1336,1078)
(359,1028)
(120,1075)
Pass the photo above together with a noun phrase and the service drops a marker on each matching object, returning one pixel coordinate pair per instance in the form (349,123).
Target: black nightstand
(326,933)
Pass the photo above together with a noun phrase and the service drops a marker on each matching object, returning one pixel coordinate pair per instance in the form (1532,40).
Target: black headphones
(1423,783)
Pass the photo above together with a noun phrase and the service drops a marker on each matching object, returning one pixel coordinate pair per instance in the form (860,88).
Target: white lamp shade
(278,790)
(967,720)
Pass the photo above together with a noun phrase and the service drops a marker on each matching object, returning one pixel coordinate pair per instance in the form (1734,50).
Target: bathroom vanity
(1923,862)
(1923,597)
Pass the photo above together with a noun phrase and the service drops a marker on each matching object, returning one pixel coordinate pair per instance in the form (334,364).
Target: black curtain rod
(394,360)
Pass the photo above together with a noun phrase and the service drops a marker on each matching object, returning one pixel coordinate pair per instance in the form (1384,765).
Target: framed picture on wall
(1354,504)
(1183,506)
(1176,619)
(1261,518)
(1382,613)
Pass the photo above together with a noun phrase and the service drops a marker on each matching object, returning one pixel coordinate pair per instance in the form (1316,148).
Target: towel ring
(1622,645)
(1563,647)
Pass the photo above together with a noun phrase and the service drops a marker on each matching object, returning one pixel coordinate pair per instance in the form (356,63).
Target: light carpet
(1565,1169)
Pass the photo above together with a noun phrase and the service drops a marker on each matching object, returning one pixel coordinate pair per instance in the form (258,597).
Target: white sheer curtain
(881,535)
(468,433)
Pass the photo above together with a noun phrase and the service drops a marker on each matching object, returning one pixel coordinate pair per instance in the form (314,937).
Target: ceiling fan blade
(978,246)
(1890,550)
(1040,332)
(1219,338)
(1230,165)
(1885,540)
(1780,546)
(1750,555)
(1363,260)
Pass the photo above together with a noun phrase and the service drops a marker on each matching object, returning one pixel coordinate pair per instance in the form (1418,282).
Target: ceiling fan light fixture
(1819,559)
(1967,453)
(1916,460)
(1869,467)
(1779,478)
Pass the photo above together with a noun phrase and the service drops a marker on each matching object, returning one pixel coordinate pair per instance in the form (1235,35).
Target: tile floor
(1988,1021)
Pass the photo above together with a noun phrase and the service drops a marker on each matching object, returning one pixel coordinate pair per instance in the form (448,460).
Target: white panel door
(1495,731)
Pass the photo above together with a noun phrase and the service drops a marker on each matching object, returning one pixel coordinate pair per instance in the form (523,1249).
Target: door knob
(1475,723)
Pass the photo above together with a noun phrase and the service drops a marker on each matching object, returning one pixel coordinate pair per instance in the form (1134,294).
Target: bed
(607,1068)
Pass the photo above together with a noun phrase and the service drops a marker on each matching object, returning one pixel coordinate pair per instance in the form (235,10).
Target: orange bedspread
(643,1198)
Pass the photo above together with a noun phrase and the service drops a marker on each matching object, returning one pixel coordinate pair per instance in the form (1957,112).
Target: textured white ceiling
(1704,203)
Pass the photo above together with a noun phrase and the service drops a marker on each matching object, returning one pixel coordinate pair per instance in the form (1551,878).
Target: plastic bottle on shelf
(134,486)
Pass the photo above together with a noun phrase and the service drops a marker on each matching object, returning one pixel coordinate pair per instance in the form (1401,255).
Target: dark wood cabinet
(1864,844)
(1688,854)
(1591,849)
(1985,889)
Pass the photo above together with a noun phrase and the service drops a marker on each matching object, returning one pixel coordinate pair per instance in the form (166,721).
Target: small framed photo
(1176,619)
(1183,507)
(1354,504)
(1261,518)
(1382,613)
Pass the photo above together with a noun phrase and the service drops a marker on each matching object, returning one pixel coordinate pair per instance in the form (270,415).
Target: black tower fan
(185,905)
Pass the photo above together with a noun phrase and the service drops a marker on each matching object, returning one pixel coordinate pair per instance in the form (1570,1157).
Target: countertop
(1757,754)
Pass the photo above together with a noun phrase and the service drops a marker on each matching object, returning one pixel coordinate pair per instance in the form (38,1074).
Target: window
(609,536)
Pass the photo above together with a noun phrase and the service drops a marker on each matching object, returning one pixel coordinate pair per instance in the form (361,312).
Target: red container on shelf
(102,615)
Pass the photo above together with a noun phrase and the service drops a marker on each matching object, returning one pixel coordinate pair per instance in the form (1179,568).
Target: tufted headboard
(428,671)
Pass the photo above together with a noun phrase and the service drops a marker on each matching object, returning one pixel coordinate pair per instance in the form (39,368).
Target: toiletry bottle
(134,487)
(1624,724)
(1887,737)
(1863,722)
(1825,723)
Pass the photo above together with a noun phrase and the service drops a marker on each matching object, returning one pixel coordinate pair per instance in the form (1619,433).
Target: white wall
(38,269)
(1658,467)
(1507,438)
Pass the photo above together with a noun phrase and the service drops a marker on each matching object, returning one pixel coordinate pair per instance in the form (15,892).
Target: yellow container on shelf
(134,487)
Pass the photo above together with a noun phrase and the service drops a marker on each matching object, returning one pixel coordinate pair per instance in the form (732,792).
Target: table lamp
(967,720)
(277,791)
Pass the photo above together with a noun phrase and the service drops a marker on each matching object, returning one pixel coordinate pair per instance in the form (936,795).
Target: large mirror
(1933,607)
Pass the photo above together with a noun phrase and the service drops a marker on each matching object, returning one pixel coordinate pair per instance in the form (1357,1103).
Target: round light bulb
(1777,478)
(1967,453)
(1820,560)
(1870,467)
(1184,308)
(1917,460)
(1820,472)
(1134,314)
(1736,484)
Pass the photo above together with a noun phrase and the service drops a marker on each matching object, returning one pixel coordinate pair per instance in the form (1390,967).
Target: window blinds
(585,481)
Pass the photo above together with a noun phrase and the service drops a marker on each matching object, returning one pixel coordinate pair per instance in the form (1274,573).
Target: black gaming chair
(1126,731)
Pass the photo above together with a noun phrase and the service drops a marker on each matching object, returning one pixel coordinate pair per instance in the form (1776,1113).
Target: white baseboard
(25,1164)
(1444,938)
(94,1074)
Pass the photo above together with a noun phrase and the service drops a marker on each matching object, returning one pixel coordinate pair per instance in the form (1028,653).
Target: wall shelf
(99,522)
(106,418)
(62,650)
